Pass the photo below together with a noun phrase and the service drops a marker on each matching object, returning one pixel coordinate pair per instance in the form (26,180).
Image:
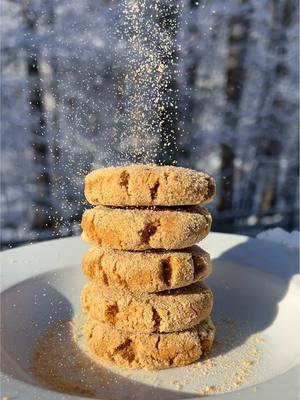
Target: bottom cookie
(149,351)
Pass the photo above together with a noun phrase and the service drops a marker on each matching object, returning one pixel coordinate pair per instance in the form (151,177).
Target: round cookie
(143,229)
(148,185)
(168,311)
(147,271)
(154,351)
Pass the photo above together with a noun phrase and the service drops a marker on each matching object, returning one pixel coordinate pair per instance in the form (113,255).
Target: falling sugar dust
(144,123)
(147,118)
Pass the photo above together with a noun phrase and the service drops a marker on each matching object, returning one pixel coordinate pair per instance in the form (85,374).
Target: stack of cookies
(145,302)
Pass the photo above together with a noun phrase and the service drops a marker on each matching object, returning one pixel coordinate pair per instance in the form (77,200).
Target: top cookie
(148,185)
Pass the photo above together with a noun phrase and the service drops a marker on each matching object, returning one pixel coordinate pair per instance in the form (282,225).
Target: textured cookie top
(169,311)
(148,185)
(143,229)
(149,271)
(153,351)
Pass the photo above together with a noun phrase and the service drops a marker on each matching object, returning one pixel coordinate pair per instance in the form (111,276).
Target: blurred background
(237,92)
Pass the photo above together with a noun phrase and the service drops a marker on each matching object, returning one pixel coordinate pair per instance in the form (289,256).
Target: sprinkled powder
(146,128)
(62,362)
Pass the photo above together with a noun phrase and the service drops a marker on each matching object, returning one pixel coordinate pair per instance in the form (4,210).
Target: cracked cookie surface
(148,185)
(153,351)
(148,228)
(169,311)
(149,271)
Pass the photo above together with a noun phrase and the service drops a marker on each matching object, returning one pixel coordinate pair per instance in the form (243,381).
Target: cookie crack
(123,345)
(126,351)
(154,190)
(124,181)
(148,231)
(99,265)
(111,312)
(199,267)
(157,343)
(94,230)
(156,318)
(211,189)
(166,177)
(122,282)
(105,279)
(166,271)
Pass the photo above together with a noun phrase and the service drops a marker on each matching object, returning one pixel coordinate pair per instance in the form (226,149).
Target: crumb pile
(145,304)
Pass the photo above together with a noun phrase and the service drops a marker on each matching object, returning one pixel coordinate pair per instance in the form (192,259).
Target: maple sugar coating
(143,229)
(147,185)
(152,351)
(146,271)
(168,311)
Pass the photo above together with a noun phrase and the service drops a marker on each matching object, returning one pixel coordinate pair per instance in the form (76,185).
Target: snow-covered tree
(228,104)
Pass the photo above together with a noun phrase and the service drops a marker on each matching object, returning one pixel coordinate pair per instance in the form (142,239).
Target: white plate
(255,283)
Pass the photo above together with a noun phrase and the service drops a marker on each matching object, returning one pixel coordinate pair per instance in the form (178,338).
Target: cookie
(146,271)
(153,351)
(168,311)
(143,229)
(148,185)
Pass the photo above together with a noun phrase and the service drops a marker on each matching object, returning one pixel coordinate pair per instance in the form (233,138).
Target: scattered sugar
(230,372)
(208,390)
(62,362)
